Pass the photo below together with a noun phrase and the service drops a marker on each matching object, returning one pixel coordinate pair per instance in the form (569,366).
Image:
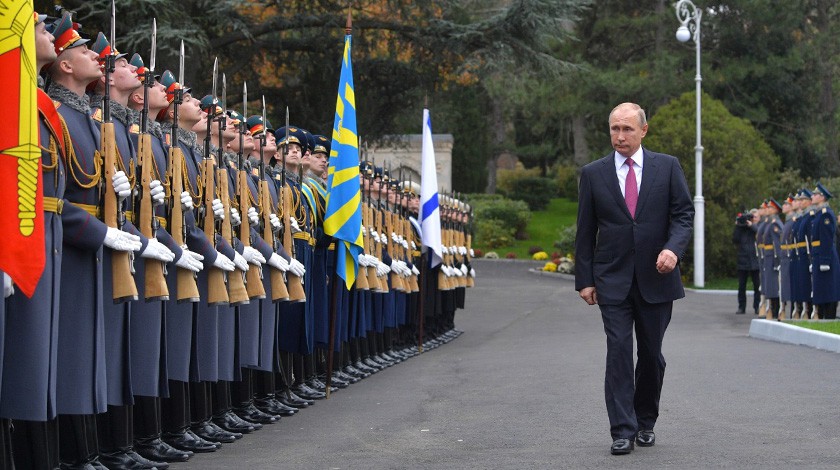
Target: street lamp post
(689,16)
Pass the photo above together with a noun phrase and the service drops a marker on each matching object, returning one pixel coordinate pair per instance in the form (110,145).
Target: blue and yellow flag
(343,218)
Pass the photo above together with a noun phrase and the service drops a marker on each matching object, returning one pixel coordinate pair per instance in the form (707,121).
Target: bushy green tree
(739,168)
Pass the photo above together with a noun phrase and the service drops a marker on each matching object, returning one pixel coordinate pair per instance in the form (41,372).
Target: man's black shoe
(646,438)
(121,460)
(213,434)
(621,446)
(230,423)
(148,463)
(188,441)
(251,414)
(740,311)
(159,451)
(272,406)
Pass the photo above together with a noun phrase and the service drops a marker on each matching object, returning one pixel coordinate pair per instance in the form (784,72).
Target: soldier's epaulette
(811,213)
(167,138)
(97,115)
(134,129)
(56,103)
(255,171)
(825,209)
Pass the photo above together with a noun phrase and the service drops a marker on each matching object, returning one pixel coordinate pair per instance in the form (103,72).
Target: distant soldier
(787,252)
(825,266)
(800,269)
(772,257)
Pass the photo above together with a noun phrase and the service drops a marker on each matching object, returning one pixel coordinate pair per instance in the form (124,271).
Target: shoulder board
(167,138)
(57,104)
(97,115)
(825,209)
(811,213)
(255,171)
(134,129)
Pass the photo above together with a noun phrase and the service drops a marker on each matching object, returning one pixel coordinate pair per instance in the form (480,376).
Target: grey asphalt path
(523,388)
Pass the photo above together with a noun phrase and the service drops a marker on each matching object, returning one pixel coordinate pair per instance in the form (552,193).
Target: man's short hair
(634,106)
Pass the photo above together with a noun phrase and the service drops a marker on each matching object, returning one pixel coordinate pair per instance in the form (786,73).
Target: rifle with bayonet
(296,291)
(216,278)
(237,293)
(266,208)
(113,212)
(186,286)
(388,227)
(380,227)
(148,224)
(253,277)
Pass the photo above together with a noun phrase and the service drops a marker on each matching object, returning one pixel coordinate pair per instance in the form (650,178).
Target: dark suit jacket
(611,248)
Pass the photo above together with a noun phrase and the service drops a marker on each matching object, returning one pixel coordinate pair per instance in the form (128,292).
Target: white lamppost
(689,16)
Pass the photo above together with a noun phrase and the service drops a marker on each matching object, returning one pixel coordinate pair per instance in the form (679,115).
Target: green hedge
(534,190)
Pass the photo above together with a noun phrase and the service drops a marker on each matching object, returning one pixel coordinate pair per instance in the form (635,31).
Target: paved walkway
(523,388)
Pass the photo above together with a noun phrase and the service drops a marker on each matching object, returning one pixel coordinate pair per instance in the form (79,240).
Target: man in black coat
(743,236)
(634,223)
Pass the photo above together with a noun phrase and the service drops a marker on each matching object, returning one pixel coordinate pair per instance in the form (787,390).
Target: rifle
(253,278)
(237,292)
(380,225)
(124,288)
(393,251)
(361,278)
(155,275)
(186,286)
(296,292)
(216,282)
(278,281)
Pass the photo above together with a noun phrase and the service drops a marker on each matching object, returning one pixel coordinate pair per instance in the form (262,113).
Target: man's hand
(666,262)
(589,296)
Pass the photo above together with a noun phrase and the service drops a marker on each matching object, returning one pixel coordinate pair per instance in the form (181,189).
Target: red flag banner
(21,192)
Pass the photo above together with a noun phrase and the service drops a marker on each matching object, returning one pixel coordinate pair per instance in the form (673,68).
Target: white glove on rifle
(462,250)
(218,209)
(190,260)
(364,231)
(395,237)
(240,262)
(825,267)
(446,270)
(363,260)
(294,223)
(382,269)
(235,219)
(413,245)
(253,256)
(372,261)
(156,192)
(383,239)
(186,201)
(297,268)
(8,286)
(118,240)
(275,221)
(464,269)
(472,273)
(253,217)
(224,263)
(404,244)
(278,262)
(395,266)
(472,253)
(415,271)
(121,186)
(157,250)
(374,234)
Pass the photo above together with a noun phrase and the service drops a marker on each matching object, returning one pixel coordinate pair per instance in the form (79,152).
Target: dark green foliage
(566,241)
(499,220)
(535,191)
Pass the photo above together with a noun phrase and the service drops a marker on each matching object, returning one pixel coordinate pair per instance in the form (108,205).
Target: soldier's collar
(79,103)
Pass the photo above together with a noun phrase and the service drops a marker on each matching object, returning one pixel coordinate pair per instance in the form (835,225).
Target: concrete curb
(784,333)
(540,272)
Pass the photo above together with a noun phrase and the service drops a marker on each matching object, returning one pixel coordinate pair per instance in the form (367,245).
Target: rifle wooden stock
(155,279)
(123,279)
(278,282)
(254,284)
(470,279)
(396,280)
(186,288)
(237,293)
(216,288)
(383,280)
(296,292)
(408,235)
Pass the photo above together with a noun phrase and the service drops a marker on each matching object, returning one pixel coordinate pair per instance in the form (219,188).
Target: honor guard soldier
(772,257)
(787,253)
(800,274)
(825,267)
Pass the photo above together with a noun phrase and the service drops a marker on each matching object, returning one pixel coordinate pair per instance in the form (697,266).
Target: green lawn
(827,326)
(727,283)
(543,229)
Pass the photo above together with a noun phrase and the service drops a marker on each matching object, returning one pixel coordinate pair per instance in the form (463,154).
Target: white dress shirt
(621,169)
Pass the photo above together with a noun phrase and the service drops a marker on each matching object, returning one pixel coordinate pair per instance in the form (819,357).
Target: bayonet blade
(264,122)
(224,93)
(215,73)
(113,25)
(154,45)
(244,101)
(181,65)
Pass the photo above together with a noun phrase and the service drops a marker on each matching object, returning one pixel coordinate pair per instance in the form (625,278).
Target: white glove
(472,253)
(240,262)
(413,245)
(294,224)
(395,237)
(297,268)
(372,261)
(446,270)
(363,260)
(186,201)
(383,239)
(462,250)
(364,231)
(810,268)
(415,271)
(395,266)
(278,262)
(382,269)
(253,216)
(8,286)
(157,193)
(464,269)
(375,235)
(157,250)
(253,256)
(235,219)
(118,240)
(824,268)
(275,221)
(404,244)
(121,186)
(472,273)
(224,263)
(453,250)
(444,250)
(190,260)
(218,209)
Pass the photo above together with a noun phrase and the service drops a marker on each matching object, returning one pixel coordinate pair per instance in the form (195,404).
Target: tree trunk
(579,137)
(499,134)
(825,72)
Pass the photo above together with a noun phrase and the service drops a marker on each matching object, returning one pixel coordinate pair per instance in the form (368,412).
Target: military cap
(820,189)
(39,18)
(102,47)
(366,168)
(395,183)
(308,141)
(137,61)
(65,33)
(788,199)
(774,204)
(378,172)
(235,116)
(322,145)
(804,193)
(210,104)
(296,136)
(411,188)
(386,176)
(256,125)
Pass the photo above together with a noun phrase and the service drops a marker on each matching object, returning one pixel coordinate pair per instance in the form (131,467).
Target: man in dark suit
(634,224)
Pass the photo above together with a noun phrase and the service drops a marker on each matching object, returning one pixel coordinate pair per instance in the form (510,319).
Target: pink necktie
(631,192)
